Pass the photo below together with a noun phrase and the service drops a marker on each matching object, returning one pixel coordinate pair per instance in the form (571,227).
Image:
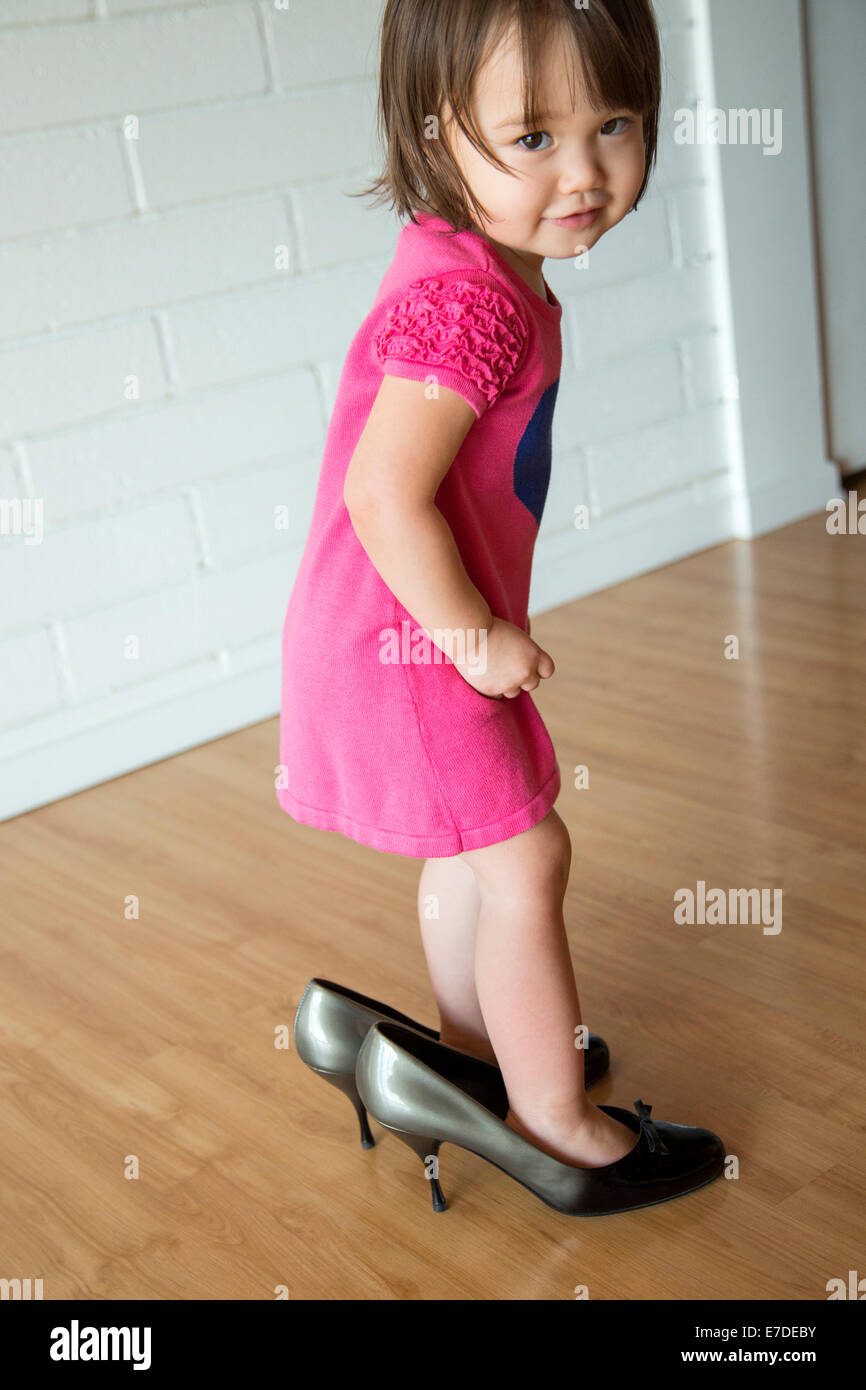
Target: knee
(557,849)
(531,865)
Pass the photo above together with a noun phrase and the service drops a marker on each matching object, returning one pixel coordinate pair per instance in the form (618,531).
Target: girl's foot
(597,1140)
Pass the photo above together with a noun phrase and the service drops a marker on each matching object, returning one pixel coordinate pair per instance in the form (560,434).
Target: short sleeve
(466,334)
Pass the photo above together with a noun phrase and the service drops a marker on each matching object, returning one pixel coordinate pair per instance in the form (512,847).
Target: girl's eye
(628,120)
(533,135)
(623,121)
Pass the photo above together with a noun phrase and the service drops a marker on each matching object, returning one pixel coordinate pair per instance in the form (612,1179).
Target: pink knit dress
(401,754)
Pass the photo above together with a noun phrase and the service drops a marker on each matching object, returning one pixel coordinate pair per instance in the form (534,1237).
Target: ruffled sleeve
(462,333)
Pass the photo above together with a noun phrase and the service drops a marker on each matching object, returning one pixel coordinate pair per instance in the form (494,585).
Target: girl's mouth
(580,219)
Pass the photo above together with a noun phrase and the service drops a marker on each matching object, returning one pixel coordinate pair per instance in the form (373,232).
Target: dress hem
(443,846)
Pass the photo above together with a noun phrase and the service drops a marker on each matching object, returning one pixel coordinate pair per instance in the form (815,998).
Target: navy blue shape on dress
(532,459)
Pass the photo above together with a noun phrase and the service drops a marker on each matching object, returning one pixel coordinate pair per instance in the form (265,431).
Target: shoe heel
(346,1083)
(428,1151)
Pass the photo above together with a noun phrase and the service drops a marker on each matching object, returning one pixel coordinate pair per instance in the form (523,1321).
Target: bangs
(430,57)
(611,70)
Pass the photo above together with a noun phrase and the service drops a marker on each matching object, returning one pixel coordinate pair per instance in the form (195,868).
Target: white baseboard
(570,564)
(781,501)
(126,740)
(69,751)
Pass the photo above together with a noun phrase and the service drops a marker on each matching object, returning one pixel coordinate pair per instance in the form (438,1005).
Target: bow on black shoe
(647,1128)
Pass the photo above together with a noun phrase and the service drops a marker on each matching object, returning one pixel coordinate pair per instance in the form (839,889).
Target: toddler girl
(514,132)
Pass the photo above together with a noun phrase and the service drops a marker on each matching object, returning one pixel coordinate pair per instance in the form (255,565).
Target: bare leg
(528,996)
(448,905)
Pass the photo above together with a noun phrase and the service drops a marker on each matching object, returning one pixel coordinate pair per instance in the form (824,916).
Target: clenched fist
(514,663)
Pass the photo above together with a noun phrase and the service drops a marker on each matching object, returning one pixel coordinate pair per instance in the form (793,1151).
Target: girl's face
(581,159)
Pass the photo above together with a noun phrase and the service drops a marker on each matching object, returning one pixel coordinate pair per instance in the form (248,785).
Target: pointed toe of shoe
(694,1144)
(669,1160)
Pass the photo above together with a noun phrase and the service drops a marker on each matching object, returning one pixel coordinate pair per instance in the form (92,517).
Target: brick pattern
(181,273)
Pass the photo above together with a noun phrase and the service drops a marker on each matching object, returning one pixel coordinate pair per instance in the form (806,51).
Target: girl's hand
(513,663)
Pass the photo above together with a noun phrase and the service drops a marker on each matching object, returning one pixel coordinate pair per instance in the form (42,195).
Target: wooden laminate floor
(149,1040)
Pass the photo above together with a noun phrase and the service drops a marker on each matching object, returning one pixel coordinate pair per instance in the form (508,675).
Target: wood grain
(155,1037)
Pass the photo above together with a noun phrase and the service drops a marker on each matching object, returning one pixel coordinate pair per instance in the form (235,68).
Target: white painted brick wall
(164,386)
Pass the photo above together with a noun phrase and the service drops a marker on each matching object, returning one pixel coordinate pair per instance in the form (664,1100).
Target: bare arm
(406,447)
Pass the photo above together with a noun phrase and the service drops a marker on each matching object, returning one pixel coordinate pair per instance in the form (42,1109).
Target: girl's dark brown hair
(431,51)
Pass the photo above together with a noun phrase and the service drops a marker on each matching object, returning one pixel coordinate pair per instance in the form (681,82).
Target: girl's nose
(582,172)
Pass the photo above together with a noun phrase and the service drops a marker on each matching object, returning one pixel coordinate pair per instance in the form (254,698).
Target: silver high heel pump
(427,1093)
(332,1022)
